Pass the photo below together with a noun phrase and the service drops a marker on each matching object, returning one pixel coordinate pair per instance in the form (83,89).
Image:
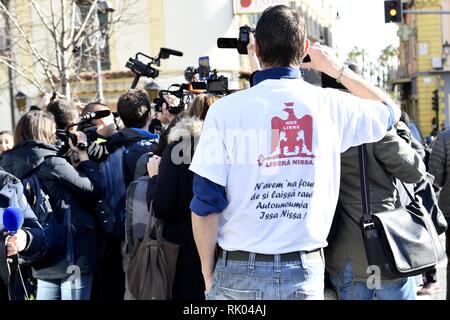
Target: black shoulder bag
(401,242)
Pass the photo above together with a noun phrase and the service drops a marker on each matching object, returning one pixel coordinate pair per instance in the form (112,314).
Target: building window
(96,33)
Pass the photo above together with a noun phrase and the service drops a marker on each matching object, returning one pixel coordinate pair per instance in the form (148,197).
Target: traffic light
(392,11)
(435,100)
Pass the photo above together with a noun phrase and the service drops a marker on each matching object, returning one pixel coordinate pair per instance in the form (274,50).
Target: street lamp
(105,6)
(152,89)
(21,101)
(445,51)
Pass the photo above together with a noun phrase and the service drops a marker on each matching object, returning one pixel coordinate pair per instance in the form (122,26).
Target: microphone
(12,219)
(167,52)
(95,115)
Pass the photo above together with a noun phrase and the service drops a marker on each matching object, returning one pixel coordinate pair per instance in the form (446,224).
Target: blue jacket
(11,195)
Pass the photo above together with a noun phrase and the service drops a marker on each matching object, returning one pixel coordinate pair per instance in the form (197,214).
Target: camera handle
(135,81)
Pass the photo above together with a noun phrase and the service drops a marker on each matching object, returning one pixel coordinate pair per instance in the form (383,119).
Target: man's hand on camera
(171,100)
(323,59)
(81,154)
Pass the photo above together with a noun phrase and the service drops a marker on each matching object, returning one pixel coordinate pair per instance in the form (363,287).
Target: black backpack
(112,209)
(37,198)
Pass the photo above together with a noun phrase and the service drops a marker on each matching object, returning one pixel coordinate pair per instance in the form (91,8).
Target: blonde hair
(35,125)
(199,107)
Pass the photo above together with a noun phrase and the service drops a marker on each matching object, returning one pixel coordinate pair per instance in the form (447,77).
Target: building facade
(424,66)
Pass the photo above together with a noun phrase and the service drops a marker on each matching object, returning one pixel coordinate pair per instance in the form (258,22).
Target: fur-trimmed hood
(185,127)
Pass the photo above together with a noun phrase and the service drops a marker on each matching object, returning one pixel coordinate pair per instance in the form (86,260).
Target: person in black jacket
(28,241)
(173,193)
(134,110)
(70,192)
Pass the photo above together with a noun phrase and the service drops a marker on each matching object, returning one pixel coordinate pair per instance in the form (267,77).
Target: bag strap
(151,221)
(365,196)
(155,226)
(67,207)
(413,199)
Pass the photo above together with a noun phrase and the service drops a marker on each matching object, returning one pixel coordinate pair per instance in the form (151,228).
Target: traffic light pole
(437,119)
(435,104)
(427,11)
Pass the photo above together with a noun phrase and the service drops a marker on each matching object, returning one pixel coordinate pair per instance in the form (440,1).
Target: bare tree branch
(83,26)
(44,62)
(34,81)
(50,50)
(55,37)
(43,19)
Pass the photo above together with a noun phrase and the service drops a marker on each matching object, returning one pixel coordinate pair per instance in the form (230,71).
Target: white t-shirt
(276,148)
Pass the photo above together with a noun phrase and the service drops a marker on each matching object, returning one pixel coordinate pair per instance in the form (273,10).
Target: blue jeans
(61,289)
(301,279)
(348,289)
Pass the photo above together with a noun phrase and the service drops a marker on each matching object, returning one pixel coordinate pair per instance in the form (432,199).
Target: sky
(362,24)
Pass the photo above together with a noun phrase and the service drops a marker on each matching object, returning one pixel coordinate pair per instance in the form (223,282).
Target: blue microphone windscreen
(13,219)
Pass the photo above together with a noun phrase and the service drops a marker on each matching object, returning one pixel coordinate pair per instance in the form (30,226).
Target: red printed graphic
(246,3)
(291,137)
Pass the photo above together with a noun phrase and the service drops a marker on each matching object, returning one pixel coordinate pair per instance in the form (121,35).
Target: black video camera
(181,93)
(84,124)
(240,43)
(64,136)
(215,84)
(140,68)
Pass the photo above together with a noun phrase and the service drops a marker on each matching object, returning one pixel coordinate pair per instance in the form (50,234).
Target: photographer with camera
(134,110)
(269,203)
(65,114)
(125,148)
(71,191)
(99,124)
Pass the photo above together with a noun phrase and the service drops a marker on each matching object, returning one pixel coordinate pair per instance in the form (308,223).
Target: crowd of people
(260,189)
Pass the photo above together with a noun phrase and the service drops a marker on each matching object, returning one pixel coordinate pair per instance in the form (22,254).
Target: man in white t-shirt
(267,167)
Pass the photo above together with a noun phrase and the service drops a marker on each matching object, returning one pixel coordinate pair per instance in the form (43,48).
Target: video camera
(83,123)
(140,68)
(237,43)
(64,136)
(182,93)
(214,84)
(241,43)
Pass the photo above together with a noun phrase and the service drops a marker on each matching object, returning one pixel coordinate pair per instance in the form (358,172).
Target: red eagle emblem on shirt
(291,137)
